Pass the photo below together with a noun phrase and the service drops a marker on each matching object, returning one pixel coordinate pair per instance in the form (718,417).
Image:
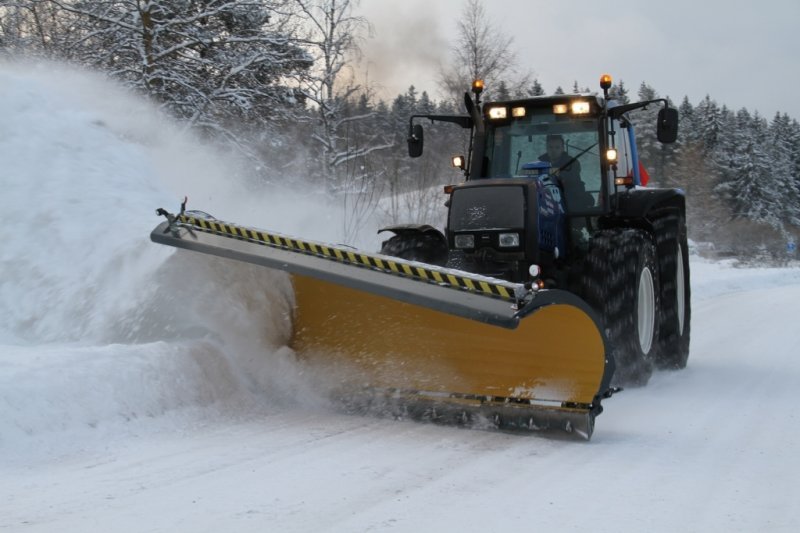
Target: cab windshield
(568,143)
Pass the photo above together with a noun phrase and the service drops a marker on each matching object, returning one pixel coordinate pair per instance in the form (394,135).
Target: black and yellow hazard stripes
(511,292)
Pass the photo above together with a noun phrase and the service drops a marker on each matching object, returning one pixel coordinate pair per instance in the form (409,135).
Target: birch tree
(481,51)
(332,37)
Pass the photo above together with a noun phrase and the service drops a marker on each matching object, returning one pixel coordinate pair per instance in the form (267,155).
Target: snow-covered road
(119,413)
(711,448)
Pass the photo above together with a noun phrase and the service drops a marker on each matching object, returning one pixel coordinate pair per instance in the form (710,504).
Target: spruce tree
(708,119)
(536,89)
(619,93)
(780,152)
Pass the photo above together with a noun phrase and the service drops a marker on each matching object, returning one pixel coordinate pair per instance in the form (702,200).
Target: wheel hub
(646,310)
(681,290)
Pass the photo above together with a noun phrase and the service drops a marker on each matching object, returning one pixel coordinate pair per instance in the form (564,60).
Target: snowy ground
(137,396)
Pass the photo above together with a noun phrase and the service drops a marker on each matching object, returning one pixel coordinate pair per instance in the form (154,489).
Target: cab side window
(624,166)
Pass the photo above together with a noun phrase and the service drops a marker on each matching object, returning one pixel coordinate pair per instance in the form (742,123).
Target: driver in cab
(568,173)
(560,161)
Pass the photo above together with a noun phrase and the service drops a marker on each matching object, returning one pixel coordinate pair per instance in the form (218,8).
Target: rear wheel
(621,283)
(675,318)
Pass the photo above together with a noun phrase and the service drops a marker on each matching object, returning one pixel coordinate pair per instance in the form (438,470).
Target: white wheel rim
(681,288)
(646,310)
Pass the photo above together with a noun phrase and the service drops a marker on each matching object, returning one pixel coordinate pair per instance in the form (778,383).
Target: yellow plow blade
(554,360)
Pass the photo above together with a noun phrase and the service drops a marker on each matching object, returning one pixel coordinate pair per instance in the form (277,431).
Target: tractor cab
(562,133)
(543,175)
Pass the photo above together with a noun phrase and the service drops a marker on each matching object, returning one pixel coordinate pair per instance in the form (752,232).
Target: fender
(639,207)
(641,203)
(408,229)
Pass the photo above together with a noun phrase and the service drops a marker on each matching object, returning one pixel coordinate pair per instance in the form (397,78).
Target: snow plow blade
(405,337)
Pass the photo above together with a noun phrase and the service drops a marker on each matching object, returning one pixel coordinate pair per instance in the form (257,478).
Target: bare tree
(33,28)
(482,51)
(344,130)
(332,38)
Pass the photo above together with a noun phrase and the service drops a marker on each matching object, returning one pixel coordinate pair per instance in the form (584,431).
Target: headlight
(465,241)
(507,240)
(580,108)
(498,113)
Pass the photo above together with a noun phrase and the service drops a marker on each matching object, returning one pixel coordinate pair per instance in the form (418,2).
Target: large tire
(429,247)
(676,308)
(620,281)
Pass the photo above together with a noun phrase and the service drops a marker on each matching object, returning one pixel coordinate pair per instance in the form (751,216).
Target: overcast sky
(744,54)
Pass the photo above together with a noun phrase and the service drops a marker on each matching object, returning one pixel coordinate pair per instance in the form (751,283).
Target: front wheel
(621,282)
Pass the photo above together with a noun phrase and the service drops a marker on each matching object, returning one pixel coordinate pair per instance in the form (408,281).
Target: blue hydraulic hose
(637,179)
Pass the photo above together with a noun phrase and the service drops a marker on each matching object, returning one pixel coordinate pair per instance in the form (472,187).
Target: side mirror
(415,141)
(667,128)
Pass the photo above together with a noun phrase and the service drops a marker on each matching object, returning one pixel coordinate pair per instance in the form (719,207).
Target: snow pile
(99,324)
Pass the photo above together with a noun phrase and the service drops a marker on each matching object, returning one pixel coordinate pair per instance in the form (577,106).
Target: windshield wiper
(575,158)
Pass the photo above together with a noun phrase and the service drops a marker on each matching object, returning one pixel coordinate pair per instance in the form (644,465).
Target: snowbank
(100,325)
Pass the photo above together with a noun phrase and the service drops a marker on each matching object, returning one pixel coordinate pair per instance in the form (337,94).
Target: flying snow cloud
(102,326)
